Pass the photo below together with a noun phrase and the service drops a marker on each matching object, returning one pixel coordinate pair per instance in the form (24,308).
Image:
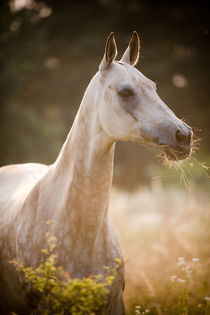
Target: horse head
(130,108)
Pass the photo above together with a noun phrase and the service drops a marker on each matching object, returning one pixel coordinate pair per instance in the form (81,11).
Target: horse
(119,104)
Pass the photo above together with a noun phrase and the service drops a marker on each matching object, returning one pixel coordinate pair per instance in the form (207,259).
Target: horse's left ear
(131,55)
(110,53)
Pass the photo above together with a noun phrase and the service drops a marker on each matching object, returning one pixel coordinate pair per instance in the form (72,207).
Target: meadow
(164,234)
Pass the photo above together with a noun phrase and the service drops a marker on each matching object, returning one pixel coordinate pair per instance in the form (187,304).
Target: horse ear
(131,55)
(110,53)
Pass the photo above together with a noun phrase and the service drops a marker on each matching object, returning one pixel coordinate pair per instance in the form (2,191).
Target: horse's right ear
(131,55)
(110,53)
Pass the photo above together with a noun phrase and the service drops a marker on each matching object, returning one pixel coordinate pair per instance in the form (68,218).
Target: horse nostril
(189,137)
(183,138)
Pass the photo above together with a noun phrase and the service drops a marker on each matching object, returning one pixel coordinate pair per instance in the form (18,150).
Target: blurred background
(49,52)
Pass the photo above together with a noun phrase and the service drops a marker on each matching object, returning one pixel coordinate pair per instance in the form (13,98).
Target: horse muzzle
(180,147)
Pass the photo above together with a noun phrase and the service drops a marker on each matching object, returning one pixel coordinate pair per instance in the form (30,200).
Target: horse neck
(84,169)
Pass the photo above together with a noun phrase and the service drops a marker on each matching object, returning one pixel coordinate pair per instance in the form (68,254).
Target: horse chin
(179,155)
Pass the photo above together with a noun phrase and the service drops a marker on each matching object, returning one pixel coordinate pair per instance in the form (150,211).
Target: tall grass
(164,234)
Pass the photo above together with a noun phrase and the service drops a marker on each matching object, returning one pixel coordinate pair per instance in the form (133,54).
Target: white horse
(120,103)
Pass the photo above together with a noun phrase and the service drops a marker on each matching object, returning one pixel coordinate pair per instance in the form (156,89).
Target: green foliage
(59,293)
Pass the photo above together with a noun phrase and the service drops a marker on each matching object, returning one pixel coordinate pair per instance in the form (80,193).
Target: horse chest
(82,255)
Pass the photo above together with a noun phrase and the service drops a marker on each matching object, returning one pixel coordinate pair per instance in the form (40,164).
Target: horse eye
(125,92)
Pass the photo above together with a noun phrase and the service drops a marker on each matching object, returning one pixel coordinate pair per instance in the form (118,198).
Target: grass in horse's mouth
(169,155)
(169,158)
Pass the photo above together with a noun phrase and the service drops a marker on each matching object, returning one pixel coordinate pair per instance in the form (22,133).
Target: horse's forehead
(123,73)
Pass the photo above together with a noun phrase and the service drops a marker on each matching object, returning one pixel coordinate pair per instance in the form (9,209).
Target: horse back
(16,182)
